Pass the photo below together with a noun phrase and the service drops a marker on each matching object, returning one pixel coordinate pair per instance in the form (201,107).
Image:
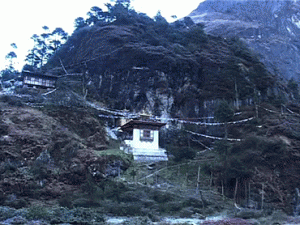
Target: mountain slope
(178,70)
(271,28)
(161,67)
(44,154)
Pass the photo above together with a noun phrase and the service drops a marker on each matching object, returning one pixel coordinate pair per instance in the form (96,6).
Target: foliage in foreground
(53,215)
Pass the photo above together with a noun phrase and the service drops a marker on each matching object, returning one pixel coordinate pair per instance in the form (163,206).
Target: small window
(40,81)
(146,135)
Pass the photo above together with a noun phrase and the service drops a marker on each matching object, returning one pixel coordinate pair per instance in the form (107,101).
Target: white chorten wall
(146,149)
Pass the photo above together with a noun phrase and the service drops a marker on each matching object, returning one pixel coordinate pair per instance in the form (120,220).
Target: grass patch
(113,149)
(113,144)
(117,153)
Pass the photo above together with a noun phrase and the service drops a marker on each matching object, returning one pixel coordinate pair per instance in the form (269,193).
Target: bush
(228,221)
(170,207)
(223,148)
(76,216)
(8,166)
(137,221)
(113,190)
(193,202)
(11,100)
(2,197)
(197,35)
(66,201)
(41,164)
(224,112)
(89,187)
(87,203)
(272,149)
(130,196)
(6,212)
(181,153)
(38,212)
(186,212)
(161,197)
(126,209)
(17,203)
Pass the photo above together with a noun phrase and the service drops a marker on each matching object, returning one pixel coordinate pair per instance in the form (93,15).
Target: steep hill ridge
(163,68)
(271,28)
(179,71)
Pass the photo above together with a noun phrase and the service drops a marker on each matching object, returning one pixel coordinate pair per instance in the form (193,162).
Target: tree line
(47,43)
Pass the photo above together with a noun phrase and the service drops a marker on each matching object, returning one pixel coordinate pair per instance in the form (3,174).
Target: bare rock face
(271,28)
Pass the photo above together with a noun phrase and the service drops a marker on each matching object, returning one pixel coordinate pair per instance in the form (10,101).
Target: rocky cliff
(163,68)
(270,28)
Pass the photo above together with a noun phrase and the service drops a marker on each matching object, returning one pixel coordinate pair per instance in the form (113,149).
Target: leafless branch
(199,142)
(62,65)
(71,74)
(49,92)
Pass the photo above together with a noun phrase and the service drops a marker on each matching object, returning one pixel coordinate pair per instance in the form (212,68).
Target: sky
(20,19)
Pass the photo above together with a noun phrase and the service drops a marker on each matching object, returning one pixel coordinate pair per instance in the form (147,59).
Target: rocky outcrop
(166,69)
(270,28)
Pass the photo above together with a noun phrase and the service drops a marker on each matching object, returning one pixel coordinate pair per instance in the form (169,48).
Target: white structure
(142,140)
(32,79)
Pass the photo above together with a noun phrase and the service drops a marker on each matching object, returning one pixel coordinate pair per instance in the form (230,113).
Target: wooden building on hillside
(33,79)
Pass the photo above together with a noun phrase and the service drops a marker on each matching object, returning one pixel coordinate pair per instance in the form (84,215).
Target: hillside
(52,172)
(270,28)
(48,158)
(178,70)
(232,138)
(46,153)
(156,66)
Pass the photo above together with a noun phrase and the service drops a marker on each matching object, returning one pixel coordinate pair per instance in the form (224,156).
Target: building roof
(153,125)
(36,74)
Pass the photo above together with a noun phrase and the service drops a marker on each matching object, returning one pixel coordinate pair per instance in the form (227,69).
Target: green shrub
(9,166)
(149,203)
(6,212)
(2,197)
(89,187)
(224,112)
(38,212)
(41,164)
(196,35)
(137,221)
(17,204)
(66,201)
(125,209)
(181,153)
(223,148)
(11,100)
(161,197)
(193,202)
(170,207)
(113,190)
(76,216)
(186,212)
(130,196)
